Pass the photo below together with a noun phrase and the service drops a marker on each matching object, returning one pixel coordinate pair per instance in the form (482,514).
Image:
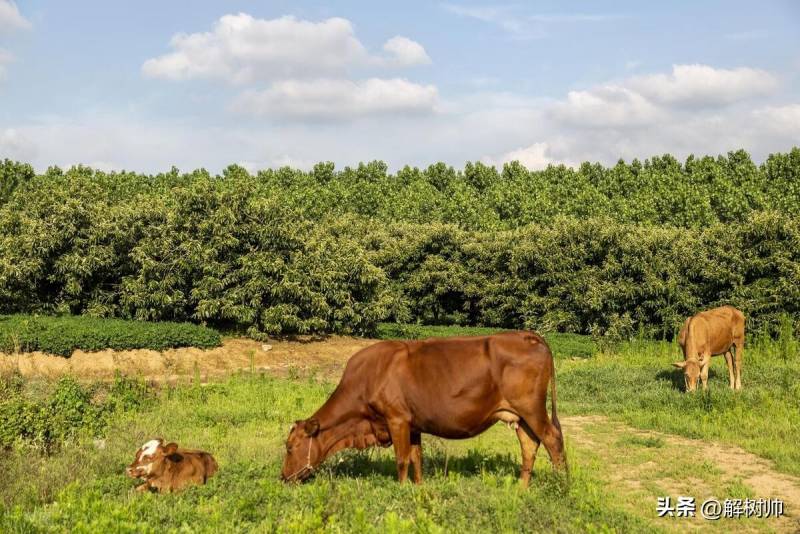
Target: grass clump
(62,335)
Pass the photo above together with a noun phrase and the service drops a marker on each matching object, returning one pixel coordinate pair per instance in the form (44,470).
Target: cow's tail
(553,410)
(554,418)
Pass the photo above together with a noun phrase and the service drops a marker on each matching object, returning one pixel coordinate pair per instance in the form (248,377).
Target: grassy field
(636,384)
(605,400)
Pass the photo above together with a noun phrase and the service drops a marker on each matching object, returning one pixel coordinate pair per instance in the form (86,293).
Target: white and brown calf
(168,468)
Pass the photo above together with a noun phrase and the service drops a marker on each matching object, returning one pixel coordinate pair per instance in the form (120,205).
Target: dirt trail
(646,465)
(325,358)
(639,465)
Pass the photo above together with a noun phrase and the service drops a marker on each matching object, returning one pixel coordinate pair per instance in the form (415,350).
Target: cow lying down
(393,392)
(168,468)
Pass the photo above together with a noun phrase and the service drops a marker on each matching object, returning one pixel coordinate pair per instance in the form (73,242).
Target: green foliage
(594,275)
(610,251)
(12,175)
(69,410)
(63,334)
(188,247)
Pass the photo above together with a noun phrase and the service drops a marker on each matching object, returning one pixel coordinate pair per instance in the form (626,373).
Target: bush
(636,247)
(68,411)
(63,335)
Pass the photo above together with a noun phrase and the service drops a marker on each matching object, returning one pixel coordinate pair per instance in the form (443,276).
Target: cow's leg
(416,456)
(401,439)
(731,374)
(738,356)
(536,418)
(705,360)
(529,444)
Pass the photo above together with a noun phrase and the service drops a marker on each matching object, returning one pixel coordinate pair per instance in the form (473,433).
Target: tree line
(616,250)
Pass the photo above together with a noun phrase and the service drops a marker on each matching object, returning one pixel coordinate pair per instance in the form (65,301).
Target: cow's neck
(356,434)
(342,425)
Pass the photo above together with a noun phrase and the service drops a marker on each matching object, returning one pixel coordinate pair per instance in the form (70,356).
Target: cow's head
(691,372)
(150,458)
(303,451)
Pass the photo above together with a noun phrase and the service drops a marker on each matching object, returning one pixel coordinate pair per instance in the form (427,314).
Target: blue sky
(146,85)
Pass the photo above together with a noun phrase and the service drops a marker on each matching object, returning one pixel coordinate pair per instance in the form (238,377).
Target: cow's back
(715,330)
(450,386)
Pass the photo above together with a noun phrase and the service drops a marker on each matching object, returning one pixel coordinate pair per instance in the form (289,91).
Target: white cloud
(282,160)
(534,157)
(338,99)
(747,35)
(606,106)
(642,101)
(782,119)
(693,109)
(494,126)
(405,52)
(243,49)
(501,16)
(15,145)
(10,17)
(115,142)
(702,85)
(632,64)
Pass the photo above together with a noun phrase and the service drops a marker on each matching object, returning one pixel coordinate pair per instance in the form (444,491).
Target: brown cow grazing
(707,334)
(392,392)
(167,468)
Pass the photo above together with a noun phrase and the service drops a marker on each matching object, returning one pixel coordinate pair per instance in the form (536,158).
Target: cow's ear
(311,426)
(679,365)
(170,448)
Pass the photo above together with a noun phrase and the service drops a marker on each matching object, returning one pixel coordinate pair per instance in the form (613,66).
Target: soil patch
(715,468)
(322,357)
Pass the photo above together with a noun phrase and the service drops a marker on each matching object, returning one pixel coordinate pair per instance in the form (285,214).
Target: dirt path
(644,465)
(640,466)
(325,358)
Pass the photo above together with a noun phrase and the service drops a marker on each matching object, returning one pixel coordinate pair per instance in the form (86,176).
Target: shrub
(68,411)
(631,248)
(62,335)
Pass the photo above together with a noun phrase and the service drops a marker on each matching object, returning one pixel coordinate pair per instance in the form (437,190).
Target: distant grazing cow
(167,468)
(392,392)
(707,334)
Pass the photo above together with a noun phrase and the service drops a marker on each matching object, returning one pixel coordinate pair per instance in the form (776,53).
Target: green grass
(637,384)
(64,334)
(469,485)
(244,421)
